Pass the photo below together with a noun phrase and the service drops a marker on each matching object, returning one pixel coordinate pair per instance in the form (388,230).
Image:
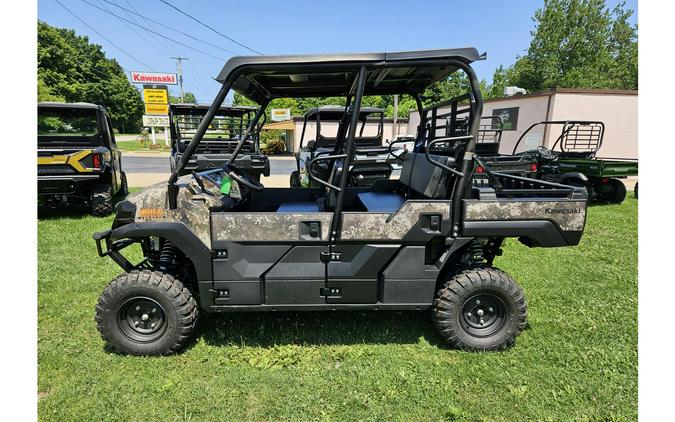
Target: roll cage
(263,78)
(334,113)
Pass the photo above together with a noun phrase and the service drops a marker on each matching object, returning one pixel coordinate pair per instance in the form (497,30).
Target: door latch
(331,256)
(330,292)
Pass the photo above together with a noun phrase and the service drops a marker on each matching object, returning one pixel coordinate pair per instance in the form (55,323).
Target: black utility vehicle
(573,160)
(427,241)
(219,141)
(371,161)
(78,160)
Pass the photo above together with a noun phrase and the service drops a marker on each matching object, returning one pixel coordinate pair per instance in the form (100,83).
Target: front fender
(178,234)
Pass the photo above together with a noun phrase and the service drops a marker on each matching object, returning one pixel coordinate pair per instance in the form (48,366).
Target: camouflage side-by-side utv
(78,160)
(323,126)
(220,139)
(219,241)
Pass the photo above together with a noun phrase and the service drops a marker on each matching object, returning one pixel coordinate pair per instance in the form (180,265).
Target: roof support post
(349,149)
(172,190)
(249,129)
(464,182)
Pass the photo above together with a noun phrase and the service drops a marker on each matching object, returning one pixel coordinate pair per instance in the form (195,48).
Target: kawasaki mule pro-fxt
(220,241)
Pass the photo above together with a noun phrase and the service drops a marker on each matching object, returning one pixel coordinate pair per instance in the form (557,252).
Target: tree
(72,69)
(188,97)
(576,44)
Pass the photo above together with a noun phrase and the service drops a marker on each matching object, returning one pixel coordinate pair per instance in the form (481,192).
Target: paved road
(133,164)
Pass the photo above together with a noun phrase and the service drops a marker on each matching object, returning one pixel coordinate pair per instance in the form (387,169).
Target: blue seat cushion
(299,207)
(381,201)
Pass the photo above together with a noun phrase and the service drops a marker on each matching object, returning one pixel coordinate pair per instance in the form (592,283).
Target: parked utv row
(218,240)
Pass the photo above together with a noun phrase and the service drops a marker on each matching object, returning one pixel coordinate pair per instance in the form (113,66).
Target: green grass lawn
(135,145)
(577,360)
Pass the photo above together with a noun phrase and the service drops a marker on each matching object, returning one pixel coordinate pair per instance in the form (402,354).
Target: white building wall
(617,111)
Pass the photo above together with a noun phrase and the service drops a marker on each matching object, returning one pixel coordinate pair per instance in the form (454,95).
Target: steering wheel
(243,178)
(545,152)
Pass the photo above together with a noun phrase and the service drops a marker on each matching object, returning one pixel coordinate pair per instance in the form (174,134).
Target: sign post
(156,98)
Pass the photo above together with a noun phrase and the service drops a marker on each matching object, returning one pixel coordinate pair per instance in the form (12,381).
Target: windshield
(60,122)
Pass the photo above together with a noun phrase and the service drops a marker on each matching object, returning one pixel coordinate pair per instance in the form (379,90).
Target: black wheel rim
(141,319)
(483,315)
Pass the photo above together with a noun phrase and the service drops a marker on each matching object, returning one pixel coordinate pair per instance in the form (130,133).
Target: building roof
(262,78)
(597,91)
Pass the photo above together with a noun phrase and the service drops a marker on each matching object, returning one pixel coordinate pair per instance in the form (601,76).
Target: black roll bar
(172,190)
(323,157)
(349,150)
(559,122)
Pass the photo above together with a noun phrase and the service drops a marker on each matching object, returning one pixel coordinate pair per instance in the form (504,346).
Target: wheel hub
(141,319)
(483,314)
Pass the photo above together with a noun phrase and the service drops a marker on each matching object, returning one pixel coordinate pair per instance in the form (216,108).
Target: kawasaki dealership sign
(154,78)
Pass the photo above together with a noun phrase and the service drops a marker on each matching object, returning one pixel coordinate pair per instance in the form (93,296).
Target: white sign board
(150,78)
(155,121)
(280,114)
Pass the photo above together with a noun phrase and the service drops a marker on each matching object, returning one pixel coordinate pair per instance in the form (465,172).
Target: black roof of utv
(262,78)
(336,112)
(54,104)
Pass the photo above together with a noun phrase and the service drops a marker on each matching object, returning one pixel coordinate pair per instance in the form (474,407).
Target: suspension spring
(167,256)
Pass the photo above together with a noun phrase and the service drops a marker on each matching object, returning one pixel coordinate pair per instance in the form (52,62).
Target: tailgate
(538,213)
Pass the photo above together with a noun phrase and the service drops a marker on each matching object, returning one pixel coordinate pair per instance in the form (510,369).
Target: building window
(509,117)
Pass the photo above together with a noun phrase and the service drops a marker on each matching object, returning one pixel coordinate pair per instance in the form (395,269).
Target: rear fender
(566,177)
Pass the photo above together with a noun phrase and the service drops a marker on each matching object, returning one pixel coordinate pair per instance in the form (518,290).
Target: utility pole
(179,67)
(394,130)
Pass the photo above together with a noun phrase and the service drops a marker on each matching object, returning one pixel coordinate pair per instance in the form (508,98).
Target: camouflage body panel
(569,215)
(384,226)
(192,209)
(266,226)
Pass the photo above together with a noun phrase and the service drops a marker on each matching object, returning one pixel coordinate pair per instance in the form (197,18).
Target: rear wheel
(635,190)
(295,179)
(100,200)
(618,191)
(480,309)
(146,313)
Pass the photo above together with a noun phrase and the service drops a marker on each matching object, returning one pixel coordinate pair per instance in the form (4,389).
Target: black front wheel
(146,313)
(100,201)
(480,309)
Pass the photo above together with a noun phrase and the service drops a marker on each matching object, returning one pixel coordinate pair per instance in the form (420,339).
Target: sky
(499,28)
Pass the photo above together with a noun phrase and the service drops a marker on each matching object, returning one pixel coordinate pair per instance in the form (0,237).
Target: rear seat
(420,175)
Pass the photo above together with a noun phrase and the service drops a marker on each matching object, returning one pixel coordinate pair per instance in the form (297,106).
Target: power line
(159,23)
(132,28)
(159,40)
(104,37)
(211,28)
